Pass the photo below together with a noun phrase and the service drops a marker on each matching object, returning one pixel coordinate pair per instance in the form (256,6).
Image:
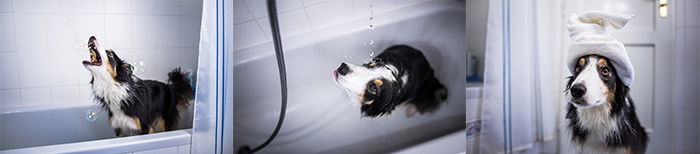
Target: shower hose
(272,11)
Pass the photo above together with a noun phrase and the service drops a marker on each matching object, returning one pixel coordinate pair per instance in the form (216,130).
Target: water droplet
(60,3)
(371,53)
(371,26)
(371,18)
(91,115)
(371,41)
(371,7)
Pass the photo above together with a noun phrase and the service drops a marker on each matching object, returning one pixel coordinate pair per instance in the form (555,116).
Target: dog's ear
(385,99)
(124,72)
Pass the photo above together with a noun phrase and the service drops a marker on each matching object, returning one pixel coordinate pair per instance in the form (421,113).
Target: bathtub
(66,129)
(320,118)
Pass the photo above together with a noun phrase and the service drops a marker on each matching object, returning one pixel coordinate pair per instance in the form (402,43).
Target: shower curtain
(213,114)
(518,93)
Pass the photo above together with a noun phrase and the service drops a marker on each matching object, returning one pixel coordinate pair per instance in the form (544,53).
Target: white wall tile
(90,25)
(64,66)
(290,23)
(363,7)
(9,98)
(401,3)
(167,37)
(118,6)
(60,6)
(692,12)
(313,2)
(145,7)
(118,32)
(240,13)
(33,31)
(29,5)
(159,151)
(190,27)
(143,31)
(193,8)
(331,12)
(35,96)
(65,95)
(247,34)
(85,94)
(259,8)
(33,69)
(5,6)
(169,7)
(7,29)
(183,149)
(63,33)
(8,69)
(189,60)
(90,6)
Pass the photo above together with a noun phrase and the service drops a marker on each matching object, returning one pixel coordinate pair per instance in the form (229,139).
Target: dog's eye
(605,71)
(372,88)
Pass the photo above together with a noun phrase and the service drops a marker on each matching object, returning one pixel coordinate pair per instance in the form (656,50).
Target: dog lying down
(399,75)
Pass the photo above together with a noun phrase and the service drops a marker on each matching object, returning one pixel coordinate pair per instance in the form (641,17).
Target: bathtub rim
(112,145)
(115,145)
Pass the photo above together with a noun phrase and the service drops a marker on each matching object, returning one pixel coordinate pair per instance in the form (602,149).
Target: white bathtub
(320,118)
(65,129)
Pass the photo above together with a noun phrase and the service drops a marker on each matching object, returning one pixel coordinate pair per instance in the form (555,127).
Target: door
(648,39)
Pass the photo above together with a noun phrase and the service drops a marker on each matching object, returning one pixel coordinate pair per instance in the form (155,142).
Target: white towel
(589,37)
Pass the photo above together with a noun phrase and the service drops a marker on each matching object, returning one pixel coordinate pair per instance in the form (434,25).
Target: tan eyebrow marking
(602,62)
(378,82)
(581,61)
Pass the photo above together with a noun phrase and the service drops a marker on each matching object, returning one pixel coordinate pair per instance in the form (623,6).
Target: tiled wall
(252,26)
(42,44)
(686,86)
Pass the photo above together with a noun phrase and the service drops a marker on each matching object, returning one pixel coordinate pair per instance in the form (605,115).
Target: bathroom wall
(251,25)
(43,43)
(686,86)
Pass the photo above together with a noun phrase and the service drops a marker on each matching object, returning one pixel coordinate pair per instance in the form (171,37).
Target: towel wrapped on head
(588,36)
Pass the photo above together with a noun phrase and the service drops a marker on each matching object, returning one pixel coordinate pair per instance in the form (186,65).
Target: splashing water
(371,33)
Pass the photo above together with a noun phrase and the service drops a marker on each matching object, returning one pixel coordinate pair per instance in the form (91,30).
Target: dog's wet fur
(399,75)
(135,106)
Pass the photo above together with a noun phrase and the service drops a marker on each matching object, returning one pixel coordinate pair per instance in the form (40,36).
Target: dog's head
(594,82)
(374,85)
(109,67)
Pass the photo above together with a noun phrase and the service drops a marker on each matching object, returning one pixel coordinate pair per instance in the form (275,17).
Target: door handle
(663,8)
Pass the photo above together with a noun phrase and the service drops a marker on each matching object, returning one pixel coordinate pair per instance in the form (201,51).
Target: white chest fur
(113,94)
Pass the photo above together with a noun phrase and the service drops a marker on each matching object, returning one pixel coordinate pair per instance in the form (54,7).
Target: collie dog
(600,114)
(135,106)
(399,75)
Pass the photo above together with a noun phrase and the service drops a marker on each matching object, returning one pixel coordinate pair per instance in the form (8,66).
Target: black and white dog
(399,75)
(601,115)
(135,106)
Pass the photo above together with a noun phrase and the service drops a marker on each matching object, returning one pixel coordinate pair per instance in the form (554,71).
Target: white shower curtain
(514,98)
(213,114)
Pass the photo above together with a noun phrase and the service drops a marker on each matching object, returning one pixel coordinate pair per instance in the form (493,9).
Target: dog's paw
(410,110)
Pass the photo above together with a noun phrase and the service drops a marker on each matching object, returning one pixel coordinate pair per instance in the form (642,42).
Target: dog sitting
(135,106)
(601,115)
(399,75)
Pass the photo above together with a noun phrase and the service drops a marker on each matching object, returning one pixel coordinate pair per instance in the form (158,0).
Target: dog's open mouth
(95,58)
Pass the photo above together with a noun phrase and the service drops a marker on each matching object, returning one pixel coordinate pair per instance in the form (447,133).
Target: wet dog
(399,75)
(135,106)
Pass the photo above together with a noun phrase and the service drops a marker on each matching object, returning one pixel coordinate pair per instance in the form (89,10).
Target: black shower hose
(272,12)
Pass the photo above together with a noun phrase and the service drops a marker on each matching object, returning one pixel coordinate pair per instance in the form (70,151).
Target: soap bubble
(91,115)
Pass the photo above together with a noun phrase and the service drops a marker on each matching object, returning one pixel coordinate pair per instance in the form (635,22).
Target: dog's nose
(578,90)
(343,69)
